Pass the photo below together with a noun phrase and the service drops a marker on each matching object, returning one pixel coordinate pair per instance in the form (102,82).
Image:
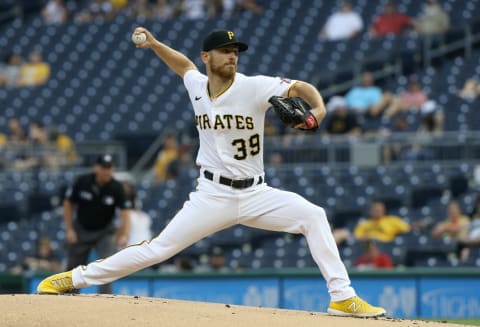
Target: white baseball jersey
(231,125)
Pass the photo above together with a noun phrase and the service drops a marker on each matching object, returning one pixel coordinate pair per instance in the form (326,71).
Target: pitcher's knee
(321,212)
(316,212)
(322,215)
(316,215)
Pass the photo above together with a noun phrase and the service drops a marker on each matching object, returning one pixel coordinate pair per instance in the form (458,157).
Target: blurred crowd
(380,227)
(58,11)
(345,23)
(40,147)
(16,71)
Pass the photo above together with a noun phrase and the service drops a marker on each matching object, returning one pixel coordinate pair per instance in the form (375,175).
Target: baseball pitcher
(229,114)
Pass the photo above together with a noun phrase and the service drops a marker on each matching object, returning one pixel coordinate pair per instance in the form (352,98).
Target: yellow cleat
(354,307)
(56,284)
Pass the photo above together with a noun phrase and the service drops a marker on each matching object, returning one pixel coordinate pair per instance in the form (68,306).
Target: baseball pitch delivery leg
(277,210)
(201,216)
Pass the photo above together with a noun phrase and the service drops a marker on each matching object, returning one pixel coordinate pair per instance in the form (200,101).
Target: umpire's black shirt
(95,204)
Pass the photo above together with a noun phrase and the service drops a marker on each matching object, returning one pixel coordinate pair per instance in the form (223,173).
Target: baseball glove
(294,111)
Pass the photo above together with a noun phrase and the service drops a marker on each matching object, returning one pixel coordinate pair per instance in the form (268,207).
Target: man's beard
(225,71)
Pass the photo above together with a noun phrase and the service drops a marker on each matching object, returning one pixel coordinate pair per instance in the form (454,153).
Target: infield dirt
(19,310)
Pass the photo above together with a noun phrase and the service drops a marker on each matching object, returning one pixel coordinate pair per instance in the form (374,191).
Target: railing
(30,156)
(308,149)
(311,150)
(373,150)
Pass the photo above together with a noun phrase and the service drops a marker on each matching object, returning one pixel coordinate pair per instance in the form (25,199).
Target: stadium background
(108,96)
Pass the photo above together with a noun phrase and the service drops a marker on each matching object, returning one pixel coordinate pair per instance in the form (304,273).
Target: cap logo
(230,35)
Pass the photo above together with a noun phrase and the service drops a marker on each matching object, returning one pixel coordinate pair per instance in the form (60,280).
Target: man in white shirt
(229,113)
(140,221)
(343,24)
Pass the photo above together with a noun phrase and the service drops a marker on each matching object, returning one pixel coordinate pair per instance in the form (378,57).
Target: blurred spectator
(390,22)
(216,262)
(343,24)
(162,9)
(433,118)
(16,134)
(228,8)
(275,159)
(143,9)
(380,226)
(184,263)
(67,154)
(470,90)
(55,12)
(96,10)
(38,154)
(3,140)
(433,19)
(44,260)
(372,258)
(367,98)
(270,128)
(140,221)
(181,263)
(35,71)
(221,7)
(193,9)
(10,69)
(168,153)
(455,226)
(47,149)
(341,120)
(472,237)
(411,99)
(118,5)
(419,150)
(181,165)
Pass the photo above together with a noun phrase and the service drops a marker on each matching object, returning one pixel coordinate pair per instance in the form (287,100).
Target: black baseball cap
(221,38)
(105,160)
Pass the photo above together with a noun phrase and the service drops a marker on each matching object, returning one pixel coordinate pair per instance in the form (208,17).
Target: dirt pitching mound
(20,310)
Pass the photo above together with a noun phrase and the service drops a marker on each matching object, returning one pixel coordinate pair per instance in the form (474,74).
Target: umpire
(94,198)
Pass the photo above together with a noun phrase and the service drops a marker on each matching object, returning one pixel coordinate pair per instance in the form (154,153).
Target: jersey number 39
(243,147)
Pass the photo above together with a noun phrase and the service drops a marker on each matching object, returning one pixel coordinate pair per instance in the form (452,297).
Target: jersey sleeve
(192,78)
(267,87)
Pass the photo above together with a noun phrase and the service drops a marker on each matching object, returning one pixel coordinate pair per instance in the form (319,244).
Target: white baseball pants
(213,207)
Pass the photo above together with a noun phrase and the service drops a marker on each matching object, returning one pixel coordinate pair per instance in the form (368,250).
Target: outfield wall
(426,293)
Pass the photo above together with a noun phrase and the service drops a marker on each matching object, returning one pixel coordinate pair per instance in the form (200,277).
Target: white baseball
(139,38)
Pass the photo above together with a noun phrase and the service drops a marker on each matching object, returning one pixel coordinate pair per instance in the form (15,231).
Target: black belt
(235,183)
